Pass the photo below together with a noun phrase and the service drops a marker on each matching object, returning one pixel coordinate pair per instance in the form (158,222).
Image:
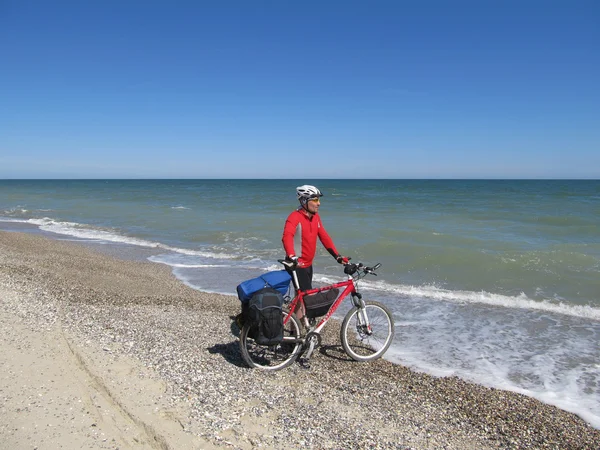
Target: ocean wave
(485,298)
(15,210)
(159,260)
(12,220)
(87,232)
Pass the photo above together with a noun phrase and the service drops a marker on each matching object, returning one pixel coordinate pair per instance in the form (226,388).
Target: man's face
(313,205)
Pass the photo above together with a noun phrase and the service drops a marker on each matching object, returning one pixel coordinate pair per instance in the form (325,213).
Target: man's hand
(343,259)
(293,259)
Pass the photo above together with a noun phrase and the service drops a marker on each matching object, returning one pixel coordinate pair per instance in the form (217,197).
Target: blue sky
(300,89)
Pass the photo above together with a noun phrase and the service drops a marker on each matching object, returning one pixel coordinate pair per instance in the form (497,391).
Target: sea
(493,281)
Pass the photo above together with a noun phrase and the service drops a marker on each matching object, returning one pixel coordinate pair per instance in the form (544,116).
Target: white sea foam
(12,220)
(15,210)
(179,207)
(162,260)
(555,386)
(183,261)
(87,232)
(489,350)
(521,301)
(565,395)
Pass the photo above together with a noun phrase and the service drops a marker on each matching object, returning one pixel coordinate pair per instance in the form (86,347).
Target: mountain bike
(366,332)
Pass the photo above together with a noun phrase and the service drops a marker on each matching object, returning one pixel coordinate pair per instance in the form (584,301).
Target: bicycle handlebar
(371,270)
(349,269)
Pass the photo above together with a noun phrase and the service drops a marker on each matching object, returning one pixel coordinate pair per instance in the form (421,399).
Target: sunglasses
(314,199)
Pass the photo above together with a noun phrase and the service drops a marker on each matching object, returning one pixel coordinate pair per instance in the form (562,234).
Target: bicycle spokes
(367,332)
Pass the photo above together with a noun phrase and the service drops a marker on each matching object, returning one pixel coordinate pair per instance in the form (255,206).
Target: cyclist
(300,233)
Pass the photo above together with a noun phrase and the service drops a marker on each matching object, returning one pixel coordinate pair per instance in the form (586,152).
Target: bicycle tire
(367,345)
(273,357)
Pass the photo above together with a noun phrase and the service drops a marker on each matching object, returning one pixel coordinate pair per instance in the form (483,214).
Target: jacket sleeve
(289,230)
(327,241)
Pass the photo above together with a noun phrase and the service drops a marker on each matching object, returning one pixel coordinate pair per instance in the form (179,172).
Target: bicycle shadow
(233,327)
(334,352)
(230,351)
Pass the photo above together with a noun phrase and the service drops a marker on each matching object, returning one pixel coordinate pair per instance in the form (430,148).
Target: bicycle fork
(363,326)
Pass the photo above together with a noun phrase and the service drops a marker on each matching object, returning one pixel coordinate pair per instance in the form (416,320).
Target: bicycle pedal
(304,363)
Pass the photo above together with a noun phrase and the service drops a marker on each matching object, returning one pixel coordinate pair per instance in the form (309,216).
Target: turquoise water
(494,281)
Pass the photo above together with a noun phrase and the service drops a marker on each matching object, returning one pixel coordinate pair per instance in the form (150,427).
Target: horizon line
(309,178)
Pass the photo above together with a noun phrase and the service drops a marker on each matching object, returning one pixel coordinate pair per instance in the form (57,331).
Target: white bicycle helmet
(307,191)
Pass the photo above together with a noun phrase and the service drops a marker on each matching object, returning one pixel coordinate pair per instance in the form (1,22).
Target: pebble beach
(103,352)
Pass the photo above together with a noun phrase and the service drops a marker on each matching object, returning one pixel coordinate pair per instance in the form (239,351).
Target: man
(302,228)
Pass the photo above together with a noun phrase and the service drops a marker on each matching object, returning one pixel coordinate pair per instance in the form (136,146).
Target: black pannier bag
(278,279)
(318,304)
(265,317)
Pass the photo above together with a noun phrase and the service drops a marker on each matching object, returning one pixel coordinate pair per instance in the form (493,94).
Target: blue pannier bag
(278,280)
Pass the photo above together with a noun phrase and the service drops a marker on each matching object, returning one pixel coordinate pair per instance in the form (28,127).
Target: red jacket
(300,237)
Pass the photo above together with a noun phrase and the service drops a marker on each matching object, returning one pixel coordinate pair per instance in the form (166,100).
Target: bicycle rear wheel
(364,342)
(272,357)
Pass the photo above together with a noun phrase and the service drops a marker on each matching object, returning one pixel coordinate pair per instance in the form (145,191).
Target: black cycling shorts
(305,275)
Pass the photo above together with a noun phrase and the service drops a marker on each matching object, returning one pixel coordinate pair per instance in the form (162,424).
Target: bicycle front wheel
(272,357)
(367,332)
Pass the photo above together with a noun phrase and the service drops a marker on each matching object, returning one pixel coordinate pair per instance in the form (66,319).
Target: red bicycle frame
(350,288)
